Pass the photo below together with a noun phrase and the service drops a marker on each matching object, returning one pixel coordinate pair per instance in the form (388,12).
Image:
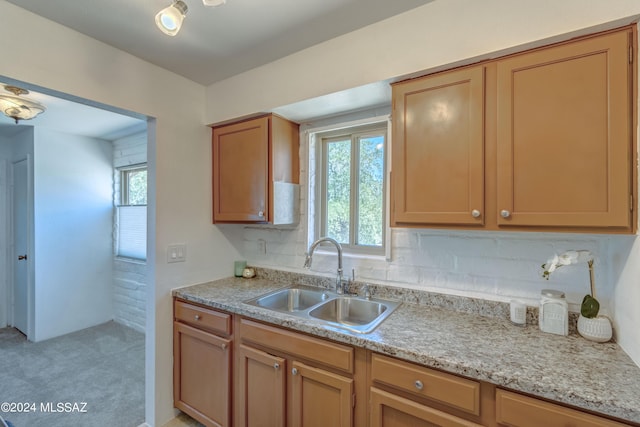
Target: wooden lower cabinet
(202,375)
(390,410)
(290,379)
(516,410)
(320,398)
(261,389)
(281,378)
(404,394)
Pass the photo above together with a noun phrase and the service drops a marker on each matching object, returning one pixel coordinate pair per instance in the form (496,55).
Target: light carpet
(90,378)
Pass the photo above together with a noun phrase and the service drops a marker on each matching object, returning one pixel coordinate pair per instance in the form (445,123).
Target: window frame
(122,201)
(355,133)
(124,173)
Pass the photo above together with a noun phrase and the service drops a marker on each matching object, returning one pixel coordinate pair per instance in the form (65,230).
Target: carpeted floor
(90,378)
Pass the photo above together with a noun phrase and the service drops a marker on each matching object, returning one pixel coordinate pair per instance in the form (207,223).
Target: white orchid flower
(565,258)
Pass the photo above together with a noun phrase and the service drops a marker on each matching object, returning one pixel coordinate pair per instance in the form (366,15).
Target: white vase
(597,329)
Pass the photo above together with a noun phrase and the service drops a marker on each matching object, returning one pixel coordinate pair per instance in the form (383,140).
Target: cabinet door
(261,398)
(438,149)
(564,141)
(389,410)
(320,398)
(515,410)
(241,171)
(201,375)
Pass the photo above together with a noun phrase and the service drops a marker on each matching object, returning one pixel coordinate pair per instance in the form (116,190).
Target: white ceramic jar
(554,312)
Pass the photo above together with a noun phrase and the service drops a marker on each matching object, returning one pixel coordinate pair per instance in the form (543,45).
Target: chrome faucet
(312,248)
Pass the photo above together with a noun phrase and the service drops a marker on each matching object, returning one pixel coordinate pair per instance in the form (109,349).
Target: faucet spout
(312,248)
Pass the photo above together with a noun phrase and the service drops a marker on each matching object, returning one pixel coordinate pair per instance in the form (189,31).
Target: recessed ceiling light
(213,2)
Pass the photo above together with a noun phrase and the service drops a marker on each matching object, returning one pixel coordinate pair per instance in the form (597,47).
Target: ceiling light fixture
(19,108)
(169,19)
(213,2)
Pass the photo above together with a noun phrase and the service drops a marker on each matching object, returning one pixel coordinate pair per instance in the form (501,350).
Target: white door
(20,234)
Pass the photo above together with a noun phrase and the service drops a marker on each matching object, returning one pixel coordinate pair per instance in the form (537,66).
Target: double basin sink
(348,312)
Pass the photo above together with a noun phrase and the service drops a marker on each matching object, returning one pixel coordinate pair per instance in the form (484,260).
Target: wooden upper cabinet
(438,149)
(250,160)
(541,141)
(564,142)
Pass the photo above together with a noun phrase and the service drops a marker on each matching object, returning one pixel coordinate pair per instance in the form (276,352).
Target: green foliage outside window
(370,191)
(135,187)
(366,208)
(339,190)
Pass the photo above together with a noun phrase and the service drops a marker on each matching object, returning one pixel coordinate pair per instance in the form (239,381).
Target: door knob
(419,385)
(505,213)
(294,371)
(475,213)
(21,257)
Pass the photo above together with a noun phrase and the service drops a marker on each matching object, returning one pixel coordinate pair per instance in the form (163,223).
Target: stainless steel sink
(292,299)
(346,312)
(354,314)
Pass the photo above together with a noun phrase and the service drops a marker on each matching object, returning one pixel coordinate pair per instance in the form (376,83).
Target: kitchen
(184,216)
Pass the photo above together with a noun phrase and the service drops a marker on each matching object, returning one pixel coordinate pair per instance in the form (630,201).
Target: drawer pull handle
(475,213)
(276,366)
(197,317)
(419,385)
(294,371)
(505,213)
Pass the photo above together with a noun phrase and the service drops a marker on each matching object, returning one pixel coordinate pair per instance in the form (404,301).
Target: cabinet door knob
(261,214)
(505,213)
(294,371)
(197,317)
(223,346)
(475,213)
(419,385)
(276,366)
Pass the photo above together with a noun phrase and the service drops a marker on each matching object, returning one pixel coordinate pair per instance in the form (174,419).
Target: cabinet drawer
(387,409)
(454,391)
(203,318)
(317,350)
(516,410)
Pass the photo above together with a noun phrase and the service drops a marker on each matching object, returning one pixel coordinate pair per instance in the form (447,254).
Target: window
(131,212)
(351,187)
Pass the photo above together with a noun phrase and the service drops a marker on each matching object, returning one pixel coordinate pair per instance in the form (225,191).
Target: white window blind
(132,231)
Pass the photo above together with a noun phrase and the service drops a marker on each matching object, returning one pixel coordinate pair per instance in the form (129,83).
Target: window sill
(130,260)
(347,253)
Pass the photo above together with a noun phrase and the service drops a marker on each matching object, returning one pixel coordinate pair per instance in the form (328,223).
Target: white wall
(63,60)
(73,209)
(625,262)
(5,161)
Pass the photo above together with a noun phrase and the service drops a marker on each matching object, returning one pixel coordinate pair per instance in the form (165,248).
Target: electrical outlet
(177,253)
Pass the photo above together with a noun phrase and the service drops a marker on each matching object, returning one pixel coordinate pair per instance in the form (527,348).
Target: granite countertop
(571,370)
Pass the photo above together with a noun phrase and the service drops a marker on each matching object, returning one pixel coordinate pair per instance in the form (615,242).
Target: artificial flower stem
(591,278)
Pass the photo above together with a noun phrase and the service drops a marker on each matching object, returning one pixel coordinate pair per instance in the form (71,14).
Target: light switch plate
(176,253)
